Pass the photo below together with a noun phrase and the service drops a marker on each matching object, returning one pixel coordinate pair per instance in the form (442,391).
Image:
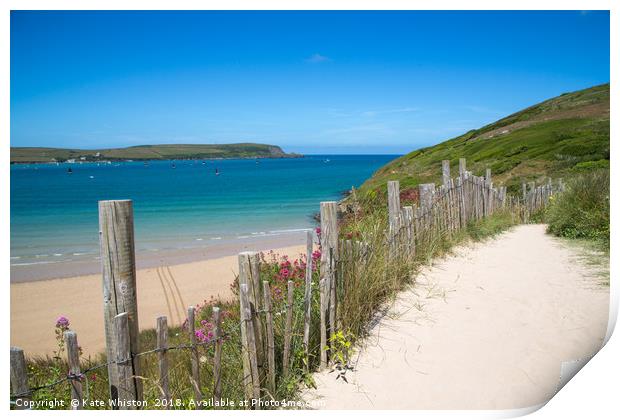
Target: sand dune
(487,328)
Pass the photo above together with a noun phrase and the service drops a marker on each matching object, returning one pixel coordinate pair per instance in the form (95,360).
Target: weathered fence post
(191,327)
(462,167)
(323,308)
(73,360)
(217,358)
(460,202)
(394,215)
(329,256)
(116,238)
(308,296)
(162,357)
(249,273)
(488,193)
(531,198)
(127,387)
(426,195)
(426,204)
(288,327)
(271,357)
(393,188)
(19,379)
(408,222)
(251,380)
(445,172)
(454,213)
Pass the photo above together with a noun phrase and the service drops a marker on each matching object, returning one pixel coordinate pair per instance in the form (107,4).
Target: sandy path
(485,329)
(36,305)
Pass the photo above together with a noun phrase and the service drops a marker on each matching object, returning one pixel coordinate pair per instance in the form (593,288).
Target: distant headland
(149,152)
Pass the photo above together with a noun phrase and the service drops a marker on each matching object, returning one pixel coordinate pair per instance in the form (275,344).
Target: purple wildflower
(62,322)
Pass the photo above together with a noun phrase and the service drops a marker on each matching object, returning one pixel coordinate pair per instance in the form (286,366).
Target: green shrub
(592,164)
(582,211)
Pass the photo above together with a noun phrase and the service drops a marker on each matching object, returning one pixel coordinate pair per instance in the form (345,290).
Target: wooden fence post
(19,379)
(445,172)
(426,195)
(454,213)
(308,296)
(116,238)
(271,357)
(127,387)
(191,326)
(393,188)
(251,379)
(217,358)
(462,167)
(323,309)
(288,327)
(394,215)
(329,256)
(162,357)
(488,192)
(460,202)
(73,359)
(408,222)
(249,273)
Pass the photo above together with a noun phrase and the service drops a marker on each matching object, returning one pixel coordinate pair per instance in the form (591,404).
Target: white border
(593,392)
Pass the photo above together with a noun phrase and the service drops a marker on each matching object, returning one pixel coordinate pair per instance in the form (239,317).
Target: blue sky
(312,82)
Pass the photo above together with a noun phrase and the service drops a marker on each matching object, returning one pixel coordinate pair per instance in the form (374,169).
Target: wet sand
(150,259)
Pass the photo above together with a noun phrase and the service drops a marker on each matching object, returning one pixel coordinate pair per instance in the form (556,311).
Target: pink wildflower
(62,322)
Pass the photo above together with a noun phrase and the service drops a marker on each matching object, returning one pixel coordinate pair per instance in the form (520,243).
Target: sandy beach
(486,328)
(36,305)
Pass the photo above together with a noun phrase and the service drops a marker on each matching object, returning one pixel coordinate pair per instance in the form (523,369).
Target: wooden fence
(441,210)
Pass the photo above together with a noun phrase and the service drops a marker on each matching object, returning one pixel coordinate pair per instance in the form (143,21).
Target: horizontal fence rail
(441,211)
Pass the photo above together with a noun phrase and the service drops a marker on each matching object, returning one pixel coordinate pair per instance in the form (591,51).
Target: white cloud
(317,58)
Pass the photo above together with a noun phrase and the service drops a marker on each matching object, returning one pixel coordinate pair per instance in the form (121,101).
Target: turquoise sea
(177,204)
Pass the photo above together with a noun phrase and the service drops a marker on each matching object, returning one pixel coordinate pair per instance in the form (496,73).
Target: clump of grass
(489,227)
(582,211)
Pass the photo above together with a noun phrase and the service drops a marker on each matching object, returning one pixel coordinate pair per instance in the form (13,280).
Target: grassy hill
(559,137)
(150,152)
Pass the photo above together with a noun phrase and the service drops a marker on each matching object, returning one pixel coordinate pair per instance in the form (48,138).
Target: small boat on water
(326,161)
(217,171)
(174,166)
(69,171)
(204,163)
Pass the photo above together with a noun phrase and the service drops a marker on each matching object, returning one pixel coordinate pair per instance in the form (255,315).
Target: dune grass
(582,211)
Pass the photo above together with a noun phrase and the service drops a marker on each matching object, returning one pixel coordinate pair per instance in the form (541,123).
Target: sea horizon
(180,206)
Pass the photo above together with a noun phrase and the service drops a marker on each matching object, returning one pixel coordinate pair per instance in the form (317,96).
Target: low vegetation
(582,211)
(149,152)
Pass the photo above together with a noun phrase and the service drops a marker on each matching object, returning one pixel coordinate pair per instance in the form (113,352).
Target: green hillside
(557,138)
(149,152)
